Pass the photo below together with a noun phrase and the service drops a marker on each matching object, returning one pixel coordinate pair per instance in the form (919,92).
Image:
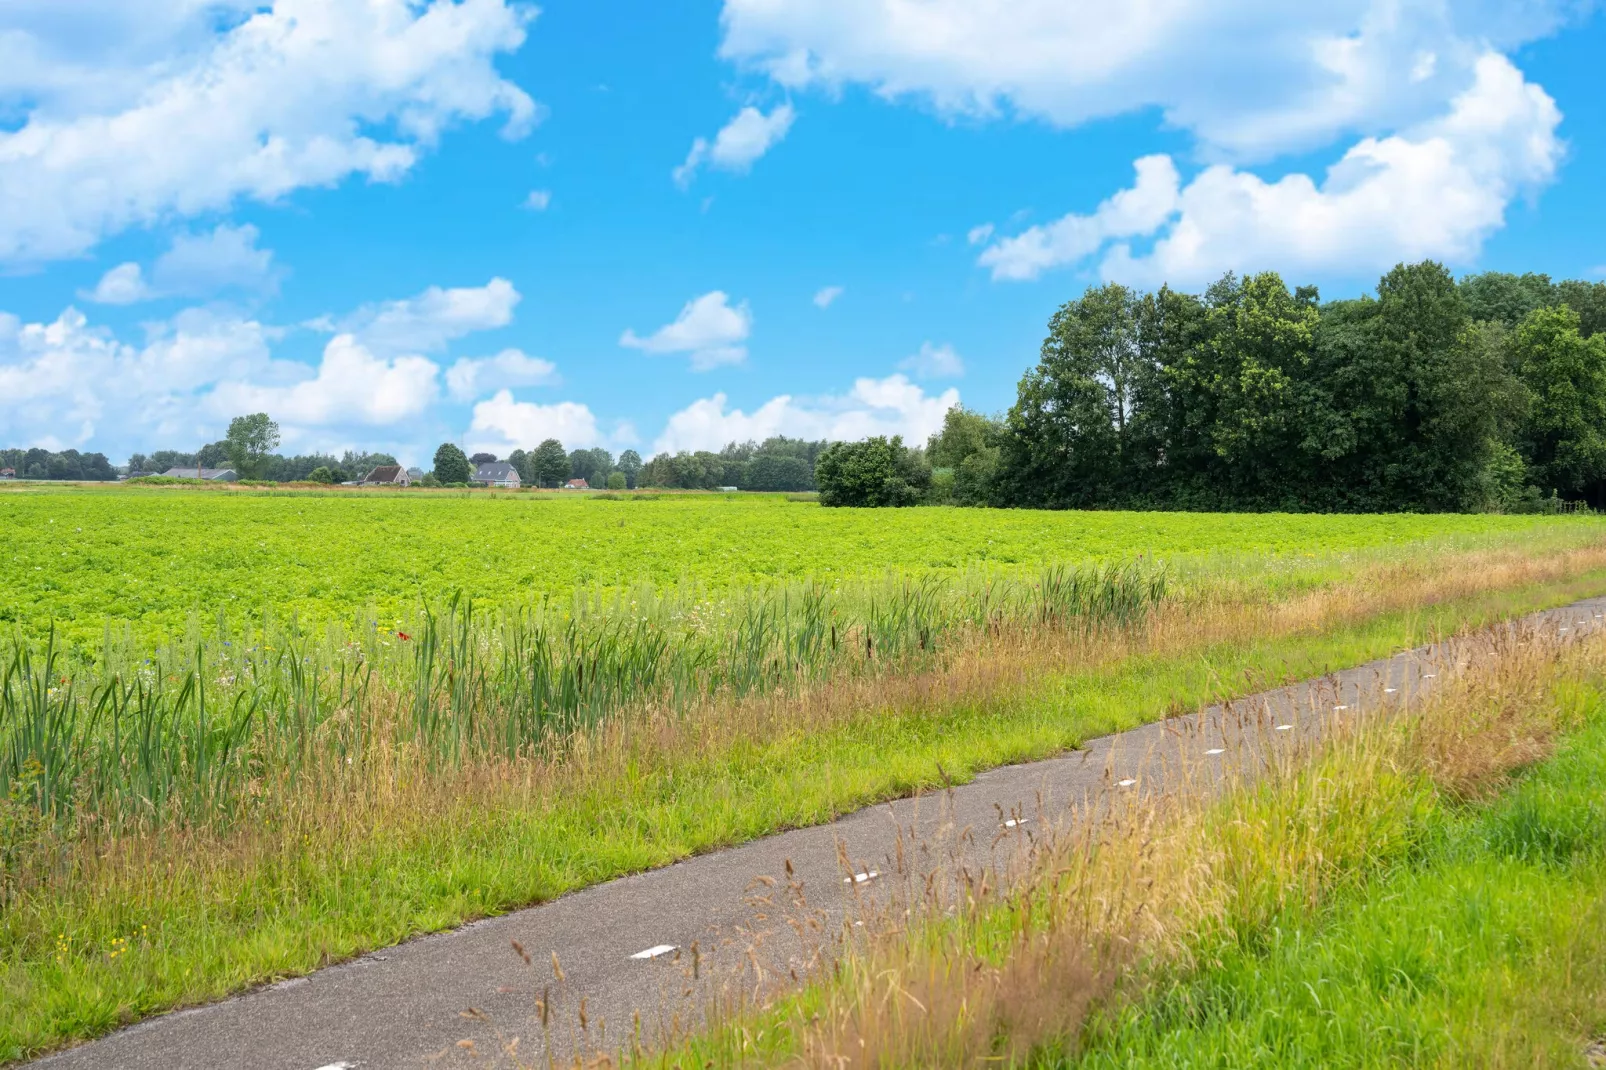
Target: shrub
(875,472)
(616,481)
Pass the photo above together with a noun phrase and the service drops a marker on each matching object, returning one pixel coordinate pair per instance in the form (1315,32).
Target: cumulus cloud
(469,377)
(739,142)
(502,425)
(979,234)
(70,383)
(181,117)
(538,200)
(426,323)
(1437,190)
(195,265)
(826,295)
(1247,77)
(890,406)
(708,328)
(934,362)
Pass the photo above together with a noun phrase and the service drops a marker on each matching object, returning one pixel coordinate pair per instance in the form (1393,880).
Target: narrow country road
(626,947)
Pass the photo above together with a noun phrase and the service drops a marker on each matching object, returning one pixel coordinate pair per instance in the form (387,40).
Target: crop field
(243,734)
(155,557)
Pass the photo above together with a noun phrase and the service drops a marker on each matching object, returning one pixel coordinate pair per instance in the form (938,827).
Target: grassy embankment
(1423,888)
(317,818)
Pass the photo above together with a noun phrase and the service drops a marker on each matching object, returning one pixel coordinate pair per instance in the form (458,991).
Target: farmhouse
(576,484)
(387,475)
(215,475)
(496,474)
(8,473)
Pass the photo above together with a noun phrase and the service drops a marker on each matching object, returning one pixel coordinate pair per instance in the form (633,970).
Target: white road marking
(1215,750)
(1429,675)
(654,951)
(1015,822)
(1340,708)
(1125,783)
(1390,690)
(1285,728)
(339,1066)
(860,878)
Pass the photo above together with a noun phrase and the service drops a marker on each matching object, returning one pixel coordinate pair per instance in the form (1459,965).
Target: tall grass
(180,734)
(1124,929)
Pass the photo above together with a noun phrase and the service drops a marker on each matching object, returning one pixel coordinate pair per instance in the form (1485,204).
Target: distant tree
(321,474)
(451,466)
(213,455)
(139,463)
(630,465)
(162,460)
(616,481)
(520,461)
(251,439)
(361,463)
(1506,299)
(549,464)
(769,472)
(483,458)
(875,472)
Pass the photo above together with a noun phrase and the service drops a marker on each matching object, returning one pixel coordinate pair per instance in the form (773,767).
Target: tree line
(1431,395)
(777,464)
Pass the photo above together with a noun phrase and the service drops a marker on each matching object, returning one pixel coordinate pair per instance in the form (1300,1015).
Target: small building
(8,473)
(576,484)
(387,475)
(496,474)
(728,490)
(211,475)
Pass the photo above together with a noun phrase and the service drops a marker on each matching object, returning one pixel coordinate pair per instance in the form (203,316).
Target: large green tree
(250,442)
(451,464)
(876,472)
(1564,436)
(549,464)
(630,465)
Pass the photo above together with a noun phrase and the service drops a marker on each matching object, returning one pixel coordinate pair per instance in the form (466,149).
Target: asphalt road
(641,952)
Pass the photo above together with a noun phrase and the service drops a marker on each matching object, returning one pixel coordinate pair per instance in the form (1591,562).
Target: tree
(213,455)
(549,464)
(767,471)
(616,481)
(1588,299)
(875,472)
(451,465)
(520,461)
(251,439)
(630,465)
(321,474)
(1564,436)
(483,458)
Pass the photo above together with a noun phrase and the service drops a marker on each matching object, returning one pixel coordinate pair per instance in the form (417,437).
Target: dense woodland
(1432,395)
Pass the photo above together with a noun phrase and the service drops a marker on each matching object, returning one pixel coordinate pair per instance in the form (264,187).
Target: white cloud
(538,200)
(890,406)
(708,328)
(350,385)
(427,322)
(978,235)
(739,142)
(70,383)
(1248,77)
(934,362)
(502,425)
(178,117)
(468,378)
(1437,191)
(1139,210)
(195,265)
(122,285)
(826,295)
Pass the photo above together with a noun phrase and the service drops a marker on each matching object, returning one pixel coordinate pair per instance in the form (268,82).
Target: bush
(427,480)
(616,481)
(875,472)
(451,466)
(321,474)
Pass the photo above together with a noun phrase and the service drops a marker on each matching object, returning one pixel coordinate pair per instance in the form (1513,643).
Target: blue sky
(390,223)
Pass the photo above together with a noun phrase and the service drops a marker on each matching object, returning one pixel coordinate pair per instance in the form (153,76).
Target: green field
(264,799)
(150,556)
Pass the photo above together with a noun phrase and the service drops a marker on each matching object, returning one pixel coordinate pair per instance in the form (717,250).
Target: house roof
(495,472)
(385,473)
(578,484)
(224,475)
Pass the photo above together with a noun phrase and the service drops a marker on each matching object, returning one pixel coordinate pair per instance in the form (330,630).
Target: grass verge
(1425,889)
(174,916)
